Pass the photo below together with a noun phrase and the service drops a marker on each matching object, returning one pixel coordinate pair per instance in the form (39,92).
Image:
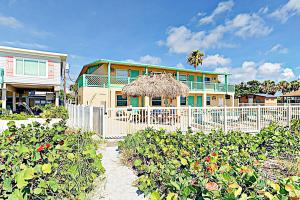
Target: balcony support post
(177,75)
(108,75)
(146,70)
(226,83)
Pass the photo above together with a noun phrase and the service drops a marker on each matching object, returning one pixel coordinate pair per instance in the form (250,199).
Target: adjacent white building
(30,76)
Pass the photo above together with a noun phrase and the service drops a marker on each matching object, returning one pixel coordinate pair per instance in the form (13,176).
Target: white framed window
(121,75)
(31,67)
(208,100)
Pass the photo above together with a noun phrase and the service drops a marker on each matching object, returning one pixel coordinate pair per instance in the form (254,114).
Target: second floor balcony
(90,80)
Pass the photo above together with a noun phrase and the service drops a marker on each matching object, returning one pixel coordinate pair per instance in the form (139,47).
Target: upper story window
(207,79)
(31,67)
(183,77)
(122,73)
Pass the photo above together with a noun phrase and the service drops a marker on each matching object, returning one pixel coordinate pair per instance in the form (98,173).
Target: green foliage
(42,162)
(266,87)
(173,165)
(6,115)
(295,125)
(50,111)
(195,58)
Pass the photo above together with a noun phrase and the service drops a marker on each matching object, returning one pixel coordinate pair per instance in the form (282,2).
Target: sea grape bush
(295,125)
(43,162)
(51,111)
(172,165)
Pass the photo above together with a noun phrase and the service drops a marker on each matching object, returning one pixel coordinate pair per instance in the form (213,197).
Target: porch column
(178,101)
(146,70)
(147,101)
(108,75)
(232,96)
(204,100)
(14,101)
(177,75)
(57,98)
(3,98)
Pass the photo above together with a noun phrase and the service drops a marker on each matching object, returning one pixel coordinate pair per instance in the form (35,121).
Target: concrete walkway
(119,177)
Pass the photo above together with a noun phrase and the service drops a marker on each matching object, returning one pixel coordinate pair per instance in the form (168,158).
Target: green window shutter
(199,79)
(31,67)
(134,101)
(42,68)
(191,78)
(134,73)
(191,100)
(19,67)
(199,101)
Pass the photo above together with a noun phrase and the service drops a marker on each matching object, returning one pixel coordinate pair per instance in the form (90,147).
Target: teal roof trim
(153,66)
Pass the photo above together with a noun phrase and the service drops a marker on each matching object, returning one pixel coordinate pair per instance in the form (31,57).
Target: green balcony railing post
(191,85)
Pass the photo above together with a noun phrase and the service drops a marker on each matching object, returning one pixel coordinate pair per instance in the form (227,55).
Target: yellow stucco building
(100,84)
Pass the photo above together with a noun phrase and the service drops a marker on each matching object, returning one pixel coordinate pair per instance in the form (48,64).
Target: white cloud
(183,40)
(246,72)
(291,8)
(216,60)
(278,48)
(221,8)
(251,71)
(25,45)
(249,25)
(150,59)
(269,70)
(147,59)
(288,73)
(264,10)
(10,22)
(180,65)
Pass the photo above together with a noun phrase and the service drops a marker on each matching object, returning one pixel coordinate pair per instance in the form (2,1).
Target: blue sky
(252,39)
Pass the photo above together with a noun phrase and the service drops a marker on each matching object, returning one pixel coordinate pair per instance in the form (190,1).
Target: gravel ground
(119,178)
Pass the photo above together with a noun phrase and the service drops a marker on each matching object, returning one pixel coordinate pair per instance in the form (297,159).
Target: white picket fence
(118,122)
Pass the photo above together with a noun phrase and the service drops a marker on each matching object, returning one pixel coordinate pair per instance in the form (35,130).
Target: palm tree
(283,86)
(295,85)
(268,87)
(195,58)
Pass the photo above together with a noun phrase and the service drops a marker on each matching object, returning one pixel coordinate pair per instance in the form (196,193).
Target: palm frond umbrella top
(157,85)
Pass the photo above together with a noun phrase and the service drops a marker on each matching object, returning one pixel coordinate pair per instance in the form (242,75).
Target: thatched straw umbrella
(157,85)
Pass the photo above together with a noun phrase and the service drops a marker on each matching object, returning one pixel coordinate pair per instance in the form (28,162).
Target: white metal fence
(118,122)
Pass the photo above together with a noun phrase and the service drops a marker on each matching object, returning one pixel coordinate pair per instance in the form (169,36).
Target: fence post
(91,125)
(258,118)
(289,115)
(189,117)
(82,118)
(103,120)
(225,119)
(148,116)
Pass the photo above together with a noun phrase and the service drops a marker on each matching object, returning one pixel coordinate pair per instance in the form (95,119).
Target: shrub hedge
(173,165)
(42,162)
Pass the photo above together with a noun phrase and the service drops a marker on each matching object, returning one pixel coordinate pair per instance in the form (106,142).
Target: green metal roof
(102,61)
